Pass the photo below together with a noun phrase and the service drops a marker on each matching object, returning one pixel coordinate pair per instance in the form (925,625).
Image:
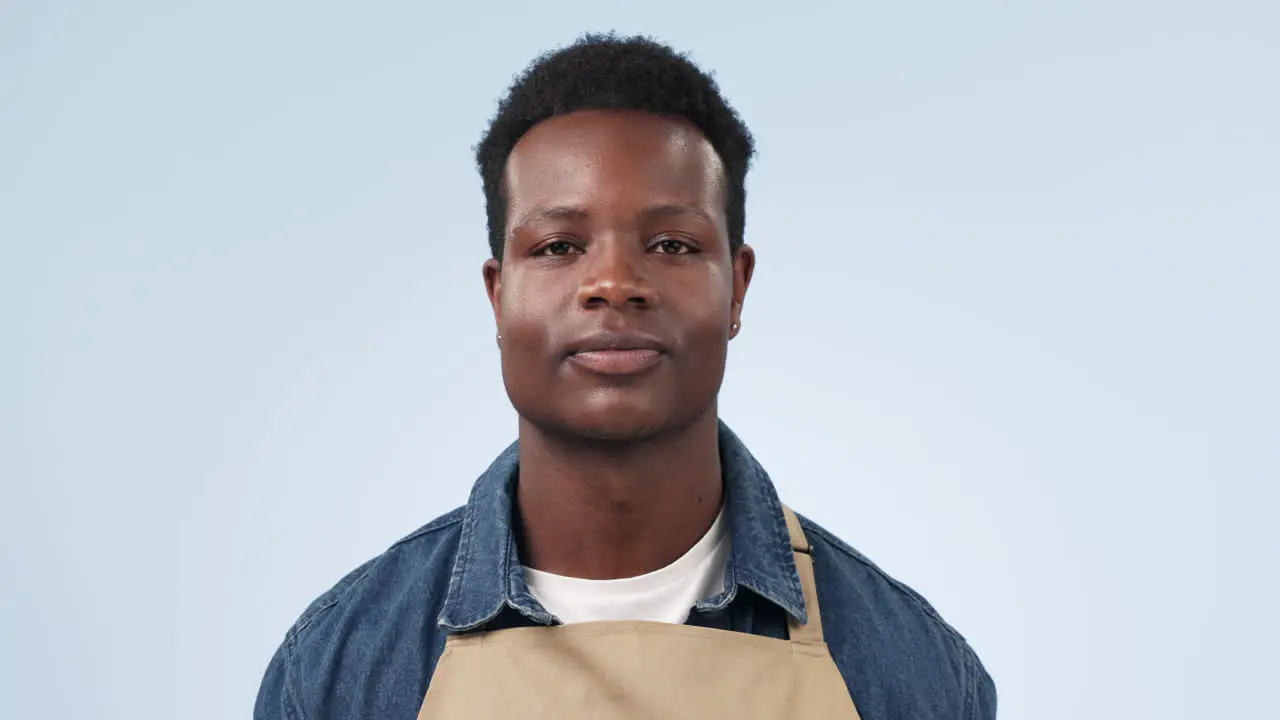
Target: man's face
(617,291)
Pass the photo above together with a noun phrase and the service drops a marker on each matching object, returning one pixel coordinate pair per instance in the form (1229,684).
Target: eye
(672,246)
(558,247)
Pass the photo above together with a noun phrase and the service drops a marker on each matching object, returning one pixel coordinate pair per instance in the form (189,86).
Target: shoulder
(896,652)
(419,553)
(382,613)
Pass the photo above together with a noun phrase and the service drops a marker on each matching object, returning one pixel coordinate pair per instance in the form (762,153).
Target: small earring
(733,327)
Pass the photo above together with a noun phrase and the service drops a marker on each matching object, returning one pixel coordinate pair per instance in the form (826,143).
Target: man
(627,557)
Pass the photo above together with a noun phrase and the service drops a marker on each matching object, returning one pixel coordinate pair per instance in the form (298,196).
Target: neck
(605,510)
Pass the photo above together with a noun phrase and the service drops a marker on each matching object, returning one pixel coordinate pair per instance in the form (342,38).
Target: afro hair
(606,72)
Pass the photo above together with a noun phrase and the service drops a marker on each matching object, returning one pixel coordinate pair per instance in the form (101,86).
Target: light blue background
(1013,331)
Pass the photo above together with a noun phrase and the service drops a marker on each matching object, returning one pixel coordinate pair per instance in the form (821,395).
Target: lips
(617,353)
(618,362)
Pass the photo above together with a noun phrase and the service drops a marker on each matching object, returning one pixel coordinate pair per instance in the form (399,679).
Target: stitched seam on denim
(291,696)
(321,608)
(970,684)
(460,563)
(340,594)
(505,565)
(782,554)
(450,518)
(915,598)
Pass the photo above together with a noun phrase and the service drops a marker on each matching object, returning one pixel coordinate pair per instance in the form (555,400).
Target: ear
(492,271)
(744,264)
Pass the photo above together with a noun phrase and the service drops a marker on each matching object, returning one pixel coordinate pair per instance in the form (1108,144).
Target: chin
(616,424)
(608,419)
(613,432)
(633,414)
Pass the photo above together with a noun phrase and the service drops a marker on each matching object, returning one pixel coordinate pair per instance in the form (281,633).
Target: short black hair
(606,72)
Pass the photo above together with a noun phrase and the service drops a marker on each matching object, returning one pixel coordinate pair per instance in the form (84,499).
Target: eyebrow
(674,210)
(568,212)
(540,214)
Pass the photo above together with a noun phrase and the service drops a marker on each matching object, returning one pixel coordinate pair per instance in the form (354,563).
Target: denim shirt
(368,647)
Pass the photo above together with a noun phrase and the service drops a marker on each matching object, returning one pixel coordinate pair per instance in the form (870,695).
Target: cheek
(517,300)
(709,304)
(529,311)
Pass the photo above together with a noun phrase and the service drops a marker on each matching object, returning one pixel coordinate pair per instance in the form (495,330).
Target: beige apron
(628,670)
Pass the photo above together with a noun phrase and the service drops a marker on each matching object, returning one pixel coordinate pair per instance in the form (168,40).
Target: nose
(616,278)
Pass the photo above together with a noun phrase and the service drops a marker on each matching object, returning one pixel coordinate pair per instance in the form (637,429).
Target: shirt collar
(487,575)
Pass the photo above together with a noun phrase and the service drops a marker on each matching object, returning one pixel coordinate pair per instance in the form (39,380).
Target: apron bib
(631,670)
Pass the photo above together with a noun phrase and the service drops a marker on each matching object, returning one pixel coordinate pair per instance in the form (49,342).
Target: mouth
(617,362)
(617,353)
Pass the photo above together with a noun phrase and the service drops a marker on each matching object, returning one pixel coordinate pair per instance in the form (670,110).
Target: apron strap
(811,632)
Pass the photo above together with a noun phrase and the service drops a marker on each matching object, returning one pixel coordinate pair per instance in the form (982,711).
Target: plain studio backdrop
(1013,331)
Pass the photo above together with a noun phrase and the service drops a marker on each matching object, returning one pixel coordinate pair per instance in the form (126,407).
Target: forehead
(622,158)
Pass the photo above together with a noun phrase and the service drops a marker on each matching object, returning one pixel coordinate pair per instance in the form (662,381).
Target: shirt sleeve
(275,695)
(984,700)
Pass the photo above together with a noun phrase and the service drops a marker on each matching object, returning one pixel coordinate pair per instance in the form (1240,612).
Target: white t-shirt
(664,595)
